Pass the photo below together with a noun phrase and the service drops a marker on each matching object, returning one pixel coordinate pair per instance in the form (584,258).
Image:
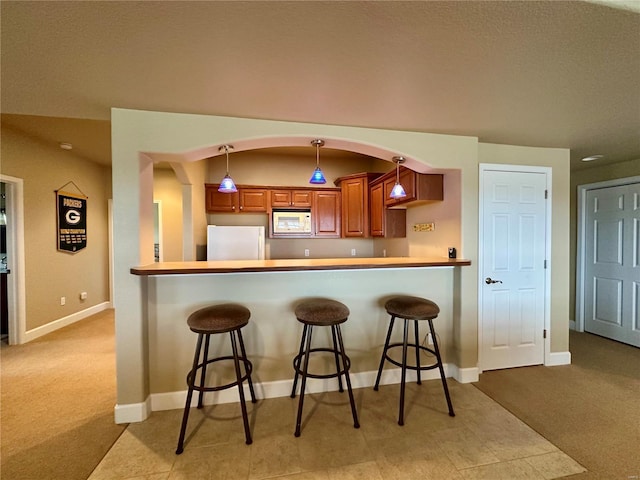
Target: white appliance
(235,242)
(291,222)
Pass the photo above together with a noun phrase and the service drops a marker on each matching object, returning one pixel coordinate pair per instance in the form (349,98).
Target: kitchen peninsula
(271,289)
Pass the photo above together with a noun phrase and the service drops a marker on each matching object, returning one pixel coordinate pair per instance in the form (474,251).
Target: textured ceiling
(535,73)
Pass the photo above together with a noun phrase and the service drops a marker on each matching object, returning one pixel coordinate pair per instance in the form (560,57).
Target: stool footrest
(297,361)
(411,367)
(248,366)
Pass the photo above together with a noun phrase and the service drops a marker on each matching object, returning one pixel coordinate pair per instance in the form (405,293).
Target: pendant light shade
(317,177)
(227,185)
(398,191)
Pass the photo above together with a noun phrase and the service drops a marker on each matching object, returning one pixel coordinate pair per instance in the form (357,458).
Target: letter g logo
(72,217)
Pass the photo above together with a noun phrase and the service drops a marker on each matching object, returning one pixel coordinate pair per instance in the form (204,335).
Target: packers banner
(72,221)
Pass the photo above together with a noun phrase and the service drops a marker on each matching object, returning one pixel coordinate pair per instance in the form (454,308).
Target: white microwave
(292,222)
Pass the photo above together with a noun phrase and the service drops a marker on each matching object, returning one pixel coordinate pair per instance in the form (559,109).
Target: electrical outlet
(83,295)
(424,227)
(306,252)
(63,300)
(353,252)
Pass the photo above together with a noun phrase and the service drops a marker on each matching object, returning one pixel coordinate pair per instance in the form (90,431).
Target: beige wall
(584,177)
(50,274)
(168,191)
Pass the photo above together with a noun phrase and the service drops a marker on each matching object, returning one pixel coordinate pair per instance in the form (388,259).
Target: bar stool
(414,309)
(205,322)
(321,313)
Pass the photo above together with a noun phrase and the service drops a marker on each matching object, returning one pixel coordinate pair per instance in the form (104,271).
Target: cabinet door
(217,202)
(301,198)
(326,213)
(408,182)
(281,198)
(376,205)
(422,187)
(253,199)
(385,222)
(355,218)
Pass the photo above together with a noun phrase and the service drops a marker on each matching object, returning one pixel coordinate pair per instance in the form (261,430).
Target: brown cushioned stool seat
(321,312)
(410,308)
(207,321)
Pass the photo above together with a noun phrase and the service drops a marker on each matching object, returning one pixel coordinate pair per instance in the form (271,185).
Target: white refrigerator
(235,242)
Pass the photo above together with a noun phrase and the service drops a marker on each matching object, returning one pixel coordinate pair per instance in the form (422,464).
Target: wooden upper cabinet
(301,198)
(419,187)
(290,198)
(217,202)
(376,208)
(355,204)
(253,199)
(246,199)
(385,222)
(326,213)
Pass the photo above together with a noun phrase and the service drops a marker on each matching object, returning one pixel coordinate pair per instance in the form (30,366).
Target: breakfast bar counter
(237,266)
(271,289)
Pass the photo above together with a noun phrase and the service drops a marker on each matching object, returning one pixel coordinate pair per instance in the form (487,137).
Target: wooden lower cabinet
(385,222)
(326,214)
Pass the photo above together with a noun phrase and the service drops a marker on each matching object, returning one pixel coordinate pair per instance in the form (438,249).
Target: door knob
(489,281)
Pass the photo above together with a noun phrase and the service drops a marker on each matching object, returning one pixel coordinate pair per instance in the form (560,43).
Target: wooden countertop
(299,264)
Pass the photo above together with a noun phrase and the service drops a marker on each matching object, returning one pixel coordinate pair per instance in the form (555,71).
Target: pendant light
(317,177)
(227,185)
(398,191)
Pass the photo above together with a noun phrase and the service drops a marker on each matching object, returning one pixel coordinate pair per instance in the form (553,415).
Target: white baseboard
(465,375)
(64,321)
(282,388)
(132,412)
(558,358)
(572,324)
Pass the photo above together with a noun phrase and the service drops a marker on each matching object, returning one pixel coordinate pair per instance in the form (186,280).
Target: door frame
(580,239)
(16,289)
(547,171)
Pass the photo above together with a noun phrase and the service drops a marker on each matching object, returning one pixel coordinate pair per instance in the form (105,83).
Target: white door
(513,248)
(612,263)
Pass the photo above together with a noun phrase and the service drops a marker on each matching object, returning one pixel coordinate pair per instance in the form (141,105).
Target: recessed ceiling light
(66,146)
(592,158)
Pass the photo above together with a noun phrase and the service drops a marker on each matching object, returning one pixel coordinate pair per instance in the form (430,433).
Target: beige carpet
(589,409)
(58,394)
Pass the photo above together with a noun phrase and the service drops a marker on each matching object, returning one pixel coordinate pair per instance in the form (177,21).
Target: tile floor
(483,441)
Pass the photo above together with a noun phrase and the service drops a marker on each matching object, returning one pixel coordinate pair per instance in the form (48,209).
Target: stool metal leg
(244,355)
(191,382)
(335,350)
(236,361)
(356,424)
(440,367)
(384,352)
(296,366)
(404,371)
(304,380)
(204,369)
(415,323)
